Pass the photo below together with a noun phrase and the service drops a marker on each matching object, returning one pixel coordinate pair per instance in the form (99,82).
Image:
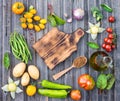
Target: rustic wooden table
(10,22)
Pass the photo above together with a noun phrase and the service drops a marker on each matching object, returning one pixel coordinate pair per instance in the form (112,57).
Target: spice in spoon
(79,62)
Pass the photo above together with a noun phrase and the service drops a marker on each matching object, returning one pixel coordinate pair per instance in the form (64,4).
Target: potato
(33,72)
(25,79)
(19,69)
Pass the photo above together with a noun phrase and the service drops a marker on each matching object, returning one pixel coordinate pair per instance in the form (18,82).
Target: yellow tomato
(43,21)
(24,25)
(28,15)
(31,90)
(18,8)
(42,26)
(33,11)
(36,18)
(30,26)
(29,20)
(22,19)
(37,28)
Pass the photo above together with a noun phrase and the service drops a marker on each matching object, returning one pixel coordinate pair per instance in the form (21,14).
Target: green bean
(19,47)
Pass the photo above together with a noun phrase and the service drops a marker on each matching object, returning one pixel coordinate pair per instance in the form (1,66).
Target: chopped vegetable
(53,93)
(19,47)
(78,14)
(6,60)
(106,8)
(52,85)
(93,45)
(97,13)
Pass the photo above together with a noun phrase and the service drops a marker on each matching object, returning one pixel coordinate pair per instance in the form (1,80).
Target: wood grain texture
(10,22)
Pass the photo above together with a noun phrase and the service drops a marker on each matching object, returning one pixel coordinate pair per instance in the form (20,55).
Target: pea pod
(6,60)
(93,45)
(106,8)
(53,93)
(52,20)
(52,85)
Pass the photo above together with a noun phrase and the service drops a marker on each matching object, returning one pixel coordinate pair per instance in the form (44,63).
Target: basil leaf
(101,81)
(93,45)
(110,82)
(6,60)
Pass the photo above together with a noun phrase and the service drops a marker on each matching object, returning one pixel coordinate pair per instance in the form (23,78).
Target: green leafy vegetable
(52,20)
(93,45)
(59,20)
(106,8)
(6,60)
(101,81)
(110,81)
(97,13)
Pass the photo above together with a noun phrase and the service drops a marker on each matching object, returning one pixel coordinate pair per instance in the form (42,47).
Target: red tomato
(109,41)
(108,48)
(75,95)
(86,81)
(113,46)
(103,45)
(109,30)
(111,36)
(111,19)
(105,40)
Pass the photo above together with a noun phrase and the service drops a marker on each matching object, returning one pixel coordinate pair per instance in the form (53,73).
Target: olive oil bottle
(100,61)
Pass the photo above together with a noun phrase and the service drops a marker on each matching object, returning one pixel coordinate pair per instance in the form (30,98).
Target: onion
(78,14)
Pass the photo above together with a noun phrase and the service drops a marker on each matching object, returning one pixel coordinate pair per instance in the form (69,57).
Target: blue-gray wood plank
(10,22)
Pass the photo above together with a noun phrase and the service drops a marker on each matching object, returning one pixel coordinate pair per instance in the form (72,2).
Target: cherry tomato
(105,40)
(111,36)
(103,45)
(108,48)
(111,19)
(109,41)
(75,95)
(113,46)
(109,30)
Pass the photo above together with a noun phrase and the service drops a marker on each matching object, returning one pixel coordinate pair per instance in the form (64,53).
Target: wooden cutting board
(55,46)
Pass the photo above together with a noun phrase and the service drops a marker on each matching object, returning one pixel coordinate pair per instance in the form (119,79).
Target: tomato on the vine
(105,40)
(109,30)
(108,48)
(109,41)
(110,35)
(103,45)
(113,46)
(111,19)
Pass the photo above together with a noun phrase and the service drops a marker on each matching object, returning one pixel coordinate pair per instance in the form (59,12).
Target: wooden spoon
(77,63)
